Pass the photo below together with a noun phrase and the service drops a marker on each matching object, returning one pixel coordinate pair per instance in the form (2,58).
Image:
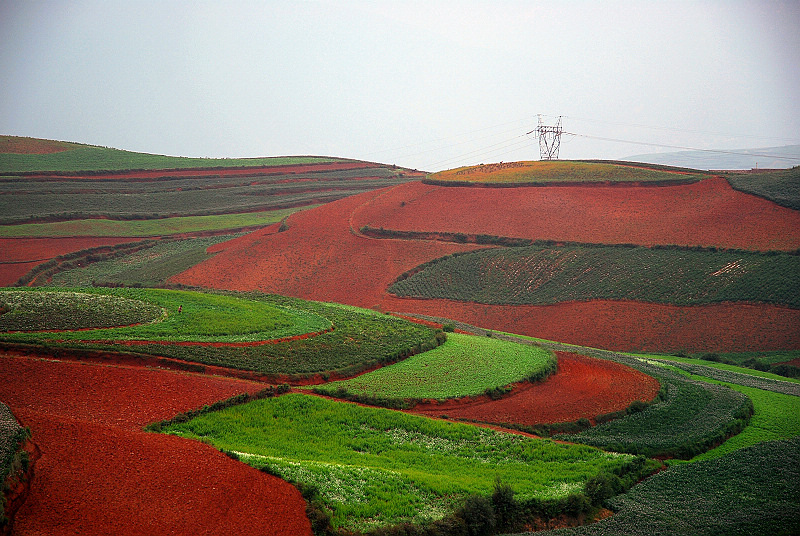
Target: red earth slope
(706,213)
(322,256)
(98,473)
(583,387)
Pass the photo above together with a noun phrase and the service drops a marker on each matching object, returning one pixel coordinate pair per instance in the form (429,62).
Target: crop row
(148,266)
(85,157)
(31,199)
(544,275)
(375,467)
(687,418)
(139,228)
(775,417)
(13,458)
(360,339)
(165,315)
(752,491)
(24,310)
(465,365)
(781,187)
(740,378)
(690,417)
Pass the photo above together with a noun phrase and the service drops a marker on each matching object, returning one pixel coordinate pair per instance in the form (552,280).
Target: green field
(377,467)
(92,158)
(540,275)
(12,458)
(147,264)
(202,317)
(27,200)
(465,365)
(361,338)
(551,171)
(750,492)
(147,228)
(781,187)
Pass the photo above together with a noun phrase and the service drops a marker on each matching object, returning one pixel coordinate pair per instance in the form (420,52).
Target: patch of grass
(146,228)
(202,317)
(465,365)
(540,275)
(361,338)
(375,467)
(93,158)
(775,417)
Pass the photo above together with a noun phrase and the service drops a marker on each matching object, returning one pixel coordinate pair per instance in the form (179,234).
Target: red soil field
(20,255)
(706,213)
(43,249)
(18,145)
(98,473)
(10,273)
(629,326)
(583,387)
(323,257)
(316,258)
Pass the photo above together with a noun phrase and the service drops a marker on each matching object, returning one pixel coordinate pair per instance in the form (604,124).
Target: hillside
(325,253)
(785,156)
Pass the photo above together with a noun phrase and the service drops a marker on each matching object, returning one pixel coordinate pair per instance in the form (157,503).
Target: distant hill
(765,158)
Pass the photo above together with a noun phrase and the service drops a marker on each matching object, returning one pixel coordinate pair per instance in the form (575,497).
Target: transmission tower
(549,139)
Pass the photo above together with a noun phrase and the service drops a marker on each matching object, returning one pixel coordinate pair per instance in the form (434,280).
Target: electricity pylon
(549,140)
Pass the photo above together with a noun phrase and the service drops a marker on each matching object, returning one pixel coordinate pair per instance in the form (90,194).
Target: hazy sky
(425,84)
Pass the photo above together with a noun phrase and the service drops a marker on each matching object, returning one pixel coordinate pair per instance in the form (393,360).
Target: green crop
(143,228)
(138,264)
(92,158)
(377,467)
(750,492)
(166,315)
(464,365)
(540,275)
(360,339)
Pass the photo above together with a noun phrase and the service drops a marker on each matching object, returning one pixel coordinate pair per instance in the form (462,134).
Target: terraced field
(271,335)
(621,257)
(465,365)
(541,275)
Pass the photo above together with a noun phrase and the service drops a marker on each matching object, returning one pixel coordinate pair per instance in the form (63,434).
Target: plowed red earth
(42,249)
(17,145)
(34,251)
(100,474)
(10,273)
(629,326)
(583,387)
(322,257)
(316,258)
(706,213)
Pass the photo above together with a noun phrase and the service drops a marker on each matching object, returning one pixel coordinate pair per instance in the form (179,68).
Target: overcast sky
(424,84)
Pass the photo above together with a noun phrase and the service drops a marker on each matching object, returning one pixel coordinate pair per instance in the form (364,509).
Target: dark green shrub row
(14,461)
(499,513)
(40,273)
(235,400)
(541,275)
(781,369)
(752,491)
(691,418)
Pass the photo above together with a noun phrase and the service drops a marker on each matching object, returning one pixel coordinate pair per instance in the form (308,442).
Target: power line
(685,148)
